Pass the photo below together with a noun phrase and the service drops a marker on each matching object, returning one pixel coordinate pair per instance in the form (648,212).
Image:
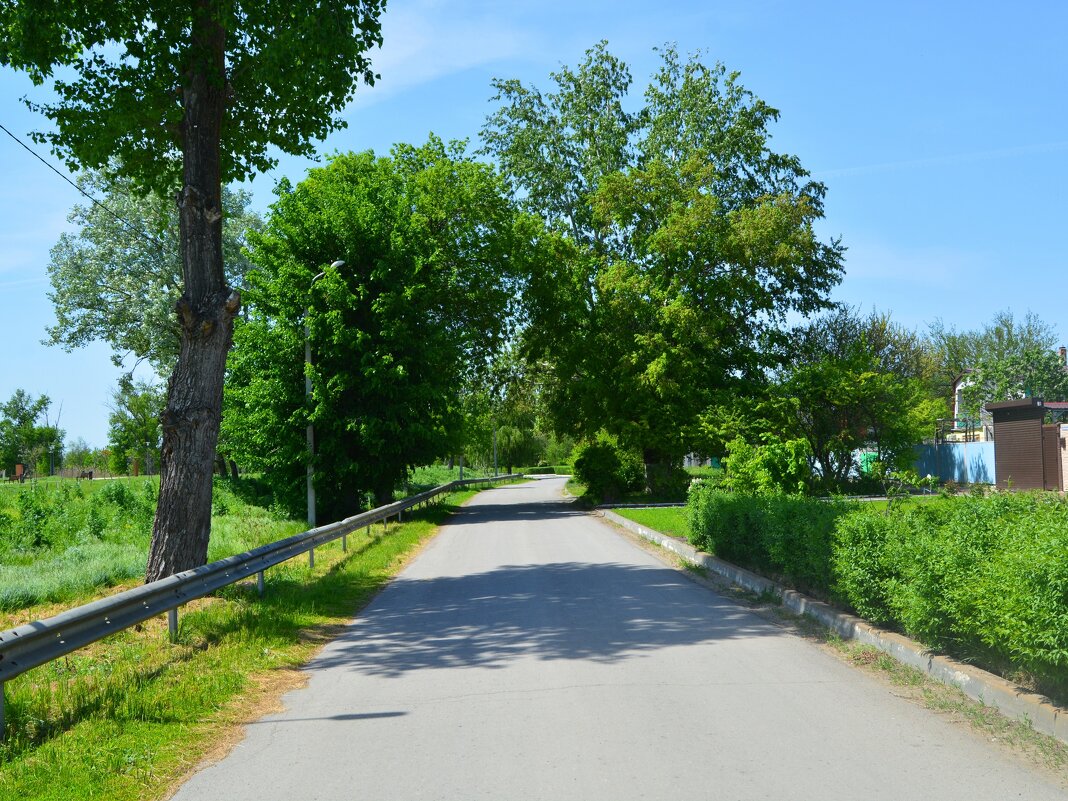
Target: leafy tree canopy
(1004,360)
(289,70)
(433,250)
(854,382)
(688,240)
(134,424)
(27,434)
(118,280)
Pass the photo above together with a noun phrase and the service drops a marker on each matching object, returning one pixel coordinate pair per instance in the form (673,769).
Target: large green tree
(1007,358)
(185,97)
(27,434)
(852,382)
(119,276)
(134,425)
(432,248)
(688,241)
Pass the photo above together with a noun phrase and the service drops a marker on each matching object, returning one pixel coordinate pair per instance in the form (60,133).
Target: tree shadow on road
(604,612)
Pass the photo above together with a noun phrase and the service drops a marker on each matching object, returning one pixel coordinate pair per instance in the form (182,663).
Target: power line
(129,225)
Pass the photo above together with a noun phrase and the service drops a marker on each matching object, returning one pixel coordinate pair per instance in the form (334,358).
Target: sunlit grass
(670,520)
(126,717)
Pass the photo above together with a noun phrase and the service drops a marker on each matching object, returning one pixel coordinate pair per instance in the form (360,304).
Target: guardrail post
(311,558)
(259,582)
(172,624)
(344,542)
(1,711)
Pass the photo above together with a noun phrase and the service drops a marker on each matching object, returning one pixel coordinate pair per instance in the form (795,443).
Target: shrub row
(785,536)
(985,579)
(36,518)
(559,470)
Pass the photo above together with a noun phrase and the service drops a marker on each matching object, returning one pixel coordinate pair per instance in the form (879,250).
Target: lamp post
(307,395)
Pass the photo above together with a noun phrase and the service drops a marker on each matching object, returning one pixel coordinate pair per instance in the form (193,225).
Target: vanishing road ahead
(531,652)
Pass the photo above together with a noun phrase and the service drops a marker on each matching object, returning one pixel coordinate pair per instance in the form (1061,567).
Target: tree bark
(205,311)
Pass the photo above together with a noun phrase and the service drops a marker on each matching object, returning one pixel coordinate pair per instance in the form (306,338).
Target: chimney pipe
(1064,355)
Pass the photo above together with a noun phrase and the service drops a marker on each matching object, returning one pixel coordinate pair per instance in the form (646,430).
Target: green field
(125,718)
(60,541)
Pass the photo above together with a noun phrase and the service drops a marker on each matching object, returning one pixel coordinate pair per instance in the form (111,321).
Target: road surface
(531,652)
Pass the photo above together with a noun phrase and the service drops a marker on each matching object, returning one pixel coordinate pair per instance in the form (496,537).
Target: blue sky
(941,130)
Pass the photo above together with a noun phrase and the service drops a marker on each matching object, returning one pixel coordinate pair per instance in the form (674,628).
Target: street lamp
(307,395)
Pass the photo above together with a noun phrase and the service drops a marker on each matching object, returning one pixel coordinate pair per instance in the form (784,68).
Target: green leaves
(1004,360)
(118,280)
(425,297)
(687,242)
(287,78)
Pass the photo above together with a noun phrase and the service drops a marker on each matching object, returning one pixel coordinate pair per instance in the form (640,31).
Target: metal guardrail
(41,641)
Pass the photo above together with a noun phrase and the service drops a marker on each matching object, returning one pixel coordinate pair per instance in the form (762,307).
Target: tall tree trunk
(206,313)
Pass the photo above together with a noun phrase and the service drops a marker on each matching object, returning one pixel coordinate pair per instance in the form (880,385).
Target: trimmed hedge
(985,579)
(785,536)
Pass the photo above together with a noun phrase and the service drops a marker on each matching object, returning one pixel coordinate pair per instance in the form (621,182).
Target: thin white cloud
(926,268)
(939,161)
(428,40)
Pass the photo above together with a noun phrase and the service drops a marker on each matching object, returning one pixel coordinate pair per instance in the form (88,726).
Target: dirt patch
(262,696)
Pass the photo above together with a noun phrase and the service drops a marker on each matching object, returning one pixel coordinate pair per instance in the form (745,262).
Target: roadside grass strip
(130,716)
(1018,734)
(670,520)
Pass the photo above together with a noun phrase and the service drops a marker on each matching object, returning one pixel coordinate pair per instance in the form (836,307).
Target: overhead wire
(130,226)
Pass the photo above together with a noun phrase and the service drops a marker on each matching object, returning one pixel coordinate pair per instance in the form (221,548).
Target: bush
(787,536)
(985,578)
(544,470)
(607,469)
(777,467)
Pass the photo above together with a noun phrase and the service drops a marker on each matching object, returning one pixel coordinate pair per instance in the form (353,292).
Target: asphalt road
(531,652)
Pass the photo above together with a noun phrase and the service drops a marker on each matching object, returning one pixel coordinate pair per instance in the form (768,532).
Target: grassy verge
(66,542)
(1016,736)
(668,520)
(915,685)
(424,478)
(128,717)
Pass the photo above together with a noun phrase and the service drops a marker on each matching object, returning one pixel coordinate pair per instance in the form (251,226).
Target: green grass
(66,541)
(670,520)
(127,717)
(424,478)
(714,473)
(930,500)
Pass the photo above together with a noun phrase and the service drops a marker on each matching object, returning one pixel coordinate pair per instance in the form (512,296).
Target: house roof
(1022,403)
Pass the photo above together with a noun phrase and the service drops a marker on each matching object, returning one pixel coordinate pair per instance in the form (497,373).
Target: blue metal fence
(963,462)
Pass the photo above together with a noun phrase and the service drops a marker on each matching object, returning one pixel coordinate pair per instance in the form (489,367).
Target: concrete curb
(978,684)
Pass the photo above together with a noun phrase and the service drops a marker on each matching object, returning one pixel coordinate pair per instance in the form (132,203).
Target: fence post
(172,624)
